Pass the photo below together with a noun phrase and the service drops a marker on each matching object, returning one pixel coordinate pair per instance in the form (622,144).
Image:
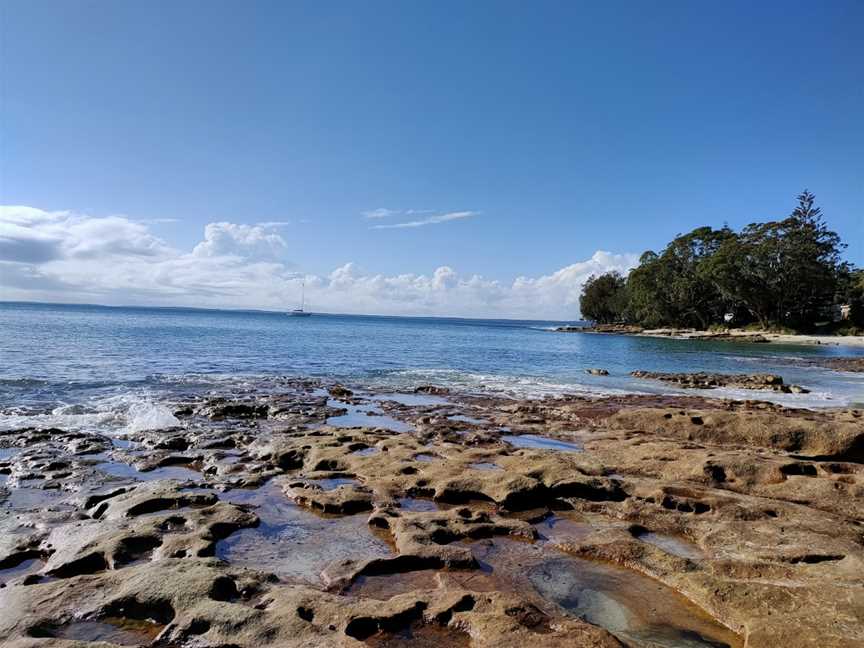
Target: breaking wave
(121,414)
(516,386)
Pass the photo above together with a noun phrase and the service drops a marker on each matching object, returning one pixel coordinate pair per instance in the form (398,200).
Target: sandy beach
(732,335)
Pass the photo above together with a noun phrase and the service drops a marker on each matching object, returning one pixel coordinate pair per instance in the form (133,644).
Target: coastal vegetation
(786,274)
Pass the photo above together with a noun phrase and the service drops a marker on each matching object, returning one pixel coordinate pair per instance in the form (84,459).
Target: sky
(446,158)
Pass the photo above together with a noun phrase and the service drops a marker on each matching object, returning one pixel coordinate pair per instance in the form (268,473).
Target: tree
(675,288)
(604,298)
(783,272)
(647,301)
(852,293)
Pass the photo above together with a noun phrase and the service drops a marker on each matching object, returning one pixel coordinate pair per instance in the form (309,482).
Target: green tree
(604,298)
(783,272)
(646,298)
(675,288)
(852,293)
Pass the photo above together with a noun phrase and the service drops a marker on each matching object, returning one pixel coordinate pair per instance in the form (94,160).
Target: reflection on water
(672,545)
(125,471)
(365,415)
(417,505)
(537,442)
(390,585)
(637,609)
(112,630)
(420,635)
(485,465)
(25,567)
(295,543)
(332,483)
(26,499)
(558,530)
(412,400)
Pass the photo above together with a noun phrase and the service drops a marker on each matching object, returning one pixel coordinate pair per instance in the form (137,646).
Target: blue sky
(560,128)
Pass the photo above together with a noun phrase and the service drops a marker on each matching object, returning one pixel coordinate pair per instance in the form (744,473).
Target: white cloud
(70,257)
(381,212)
(431,220)
(231,239)
(33,235)
(275,224)
(158,221)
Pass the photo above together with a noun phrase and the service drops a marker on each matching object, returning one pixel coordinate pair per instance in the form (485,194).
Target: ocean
(95,367)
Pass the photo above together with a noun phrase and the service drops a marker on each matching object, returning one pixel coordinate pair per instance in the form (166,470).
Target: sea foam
(120,414)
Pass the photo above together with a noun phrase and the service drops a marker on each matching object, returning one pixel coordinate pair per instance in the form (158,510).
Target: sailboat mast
(303,295)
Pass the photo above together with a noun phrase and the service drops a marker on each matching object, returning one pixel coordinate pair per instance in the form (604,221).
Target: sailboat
(299,312)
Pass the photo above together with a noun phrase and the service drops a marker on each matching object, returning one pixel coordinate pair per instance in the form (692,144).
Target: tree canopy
(604,298)
(777,273)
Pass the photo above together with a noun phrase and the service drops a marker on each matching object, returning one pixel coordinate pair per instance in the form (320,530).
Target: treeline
(780,274)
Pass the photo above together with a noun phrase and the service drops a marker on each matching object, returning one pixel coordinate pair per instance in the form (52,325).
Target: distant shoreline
(732,335)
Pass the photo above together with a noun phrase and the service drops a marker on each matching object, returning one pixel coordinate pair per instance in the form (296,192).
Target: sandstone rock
(435,390)
(853,364)
(837,436)
(751,511)
(340,392)
(769,382)
(219,409)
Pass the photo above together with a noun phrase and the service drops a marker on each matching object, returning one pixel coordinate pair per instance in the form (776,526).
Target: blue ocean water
(76,360)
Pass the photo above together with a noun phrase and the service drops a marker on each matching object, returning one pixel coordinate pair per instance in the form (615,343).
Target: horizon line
(277,312)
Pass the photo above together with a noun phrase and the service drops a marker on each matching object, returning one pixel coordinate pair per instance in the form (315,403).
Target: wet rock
(624,329)
(853,364)
(434,390)
(340,392)
(165,521)
(770,382)
(750,511)
(219,409)
(179,596)
(344,500)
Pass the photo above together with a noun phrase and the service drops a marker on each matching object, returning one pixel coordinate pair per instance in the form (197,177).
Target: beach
(731,335)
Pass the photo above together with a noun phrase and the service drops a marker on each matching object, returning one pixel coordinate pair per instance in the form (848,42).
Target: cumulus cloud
(70,257)
(231,239)
(36,236)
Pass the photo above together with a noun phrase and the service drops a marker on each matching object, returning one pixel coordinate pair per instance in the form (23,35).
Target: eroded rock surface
(769,382)
(652,521)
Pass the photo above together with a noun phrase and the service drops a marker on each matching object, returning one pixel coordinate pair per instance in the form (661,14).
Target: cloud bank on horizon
(64,256)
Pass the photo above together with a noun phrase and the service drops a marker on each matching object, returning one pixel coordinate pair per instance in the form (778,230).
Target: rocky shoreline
(330,515)
(853,365)
(702,380)
(730,335)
